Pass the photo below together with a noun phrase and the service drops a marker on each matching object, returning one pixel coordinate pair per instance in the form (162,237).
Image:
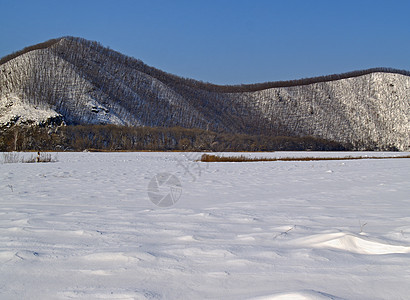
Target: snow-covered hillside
(89,84)
(14,111)
(373,108)
(84,228)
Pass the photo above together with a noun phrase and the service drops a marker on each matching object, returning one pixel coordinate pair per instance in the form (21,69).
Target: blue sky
(225,42)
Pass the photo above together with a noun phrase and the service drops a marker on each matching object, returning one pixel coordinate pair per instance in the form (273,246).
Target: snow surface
(84,228)
(14,110)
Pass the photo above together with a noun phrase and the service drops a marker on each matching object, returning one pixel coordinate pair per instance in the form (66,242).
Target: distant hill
(74,81)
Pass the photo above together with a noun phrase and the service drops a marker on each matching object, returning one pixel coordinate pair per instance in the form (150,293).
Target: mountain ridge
(86,83)
(234,87)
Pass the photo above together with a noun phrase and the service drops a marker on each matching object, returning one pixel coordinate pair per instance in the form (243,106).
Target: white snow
(13,108)
(84,228)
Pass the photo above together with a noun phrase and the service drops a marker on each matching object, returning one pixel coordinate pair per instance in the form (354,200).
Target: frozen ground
(84,227)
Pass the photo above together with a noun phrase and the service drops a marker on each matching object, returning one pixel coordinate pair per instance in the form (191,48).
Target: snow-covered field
(84,227)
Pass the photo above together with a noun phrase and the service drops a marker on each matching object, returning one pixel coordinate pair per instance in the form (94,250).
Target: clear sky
(225,41)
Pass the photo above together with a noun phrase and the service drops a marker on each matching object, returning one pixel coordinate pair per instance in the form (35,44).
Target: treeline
(305,81)
(43,45)
(122,138)
(179,82)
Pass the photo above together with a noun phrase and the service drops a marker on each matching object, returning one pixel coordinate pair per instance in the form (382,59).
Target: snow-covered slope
(14,111)
(369,109)
(89,84)
(85,228)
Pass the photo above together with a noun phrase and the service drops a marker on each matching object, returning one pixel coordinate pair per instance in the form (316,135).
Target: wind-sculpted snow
(84,227)
(89,84)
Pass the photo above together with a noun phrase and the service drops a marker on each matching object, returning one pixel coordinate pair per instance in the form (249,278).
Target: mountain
(74,81)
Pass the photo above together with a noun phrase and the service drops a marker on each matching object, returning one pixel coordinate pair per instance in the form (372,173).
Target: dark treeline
(306,81)
(43,45)
(180,82)
(117,138)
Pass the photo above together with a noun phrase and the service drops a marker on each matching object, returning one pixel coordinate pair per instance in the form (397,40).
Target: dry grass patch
(241,158)
(14,157)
